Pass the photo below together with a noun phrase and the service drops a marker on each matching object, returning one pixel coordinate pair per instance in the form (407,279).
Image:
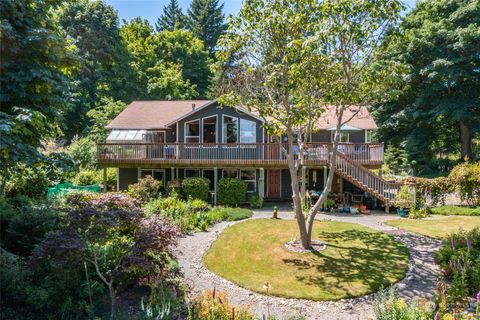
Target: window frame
(152,171)
(192,169)
(224,138)
(185,137)
(213,170)
(340,140)
(203,131)
(240,130)
(223,170)
(254,179)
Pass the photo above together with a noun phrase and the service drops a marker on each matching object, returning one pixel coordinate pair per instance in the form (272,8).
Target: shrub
(196,188)
(145,190)
(404,198)
(437,189)
(84,153)
(28,181)
(256,201)
(459,258)
(7,212)
(235,214)
(419,213)
(215,305)
(456,210)
(29,226)
(175,210)
(392,308)
(231,192)
(174,187)
(86,178)
(466,177)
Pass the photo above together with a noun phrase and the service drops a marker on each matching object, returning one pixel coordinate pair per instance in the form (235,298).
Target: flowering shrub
(145,190)
(213,305)
(466,177)
(437,189)
(459,259)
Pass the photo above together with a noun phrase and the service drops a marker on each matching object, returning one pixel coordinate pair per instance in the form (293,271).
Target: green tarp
(64,188)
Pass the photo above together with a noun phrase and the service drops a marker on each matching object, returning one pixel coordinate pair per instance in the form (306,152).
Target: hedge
(231,192)
(196,188)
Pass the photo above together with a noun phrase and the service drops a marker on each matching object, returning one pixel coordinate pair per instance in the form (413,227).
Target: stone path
(419,283)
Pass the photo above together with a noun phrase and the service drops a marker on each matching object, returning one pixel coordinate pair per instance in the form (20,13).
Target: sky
(152,9)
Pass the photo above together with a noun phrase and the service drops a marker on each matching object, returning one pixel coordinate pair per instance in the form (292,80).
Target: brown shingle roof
(362,120)
(153,114)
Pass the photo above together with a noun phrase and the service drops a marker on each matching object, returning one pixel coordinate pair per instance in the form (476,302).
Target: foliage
(235,214)
(435,113)
(111,233)
(231,191)
(172,17)
(28,181)
(29,226)
(84,153)
(174,187)
(456,210)
(101,116)
(405,197)
(214,305)
(418,213)
(466,177)
(86,178)
(205,19)
(393,308)
(459,258)
(396,160)
(437,189)
(196,188)
(145,189)
(256,201)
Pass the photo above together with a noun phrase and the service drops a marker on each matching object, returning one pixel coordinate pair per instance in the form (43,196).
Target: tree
(165,82)
(103,70)
(33,67)
(101,116)
(112,234)
(289,64)
(172,17)
(438,108)
(205,19)
(180,47)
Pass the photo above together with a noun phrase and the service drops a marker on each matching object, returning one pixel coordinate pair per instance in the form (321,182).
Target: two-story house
(177,139)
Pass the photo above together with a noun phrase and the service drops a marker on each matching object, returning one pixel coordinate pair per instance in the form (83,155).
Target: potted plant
(404,201)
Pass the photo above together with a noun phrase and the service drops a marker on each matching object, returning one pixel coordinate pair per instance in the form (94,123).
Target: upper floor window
(248,131)
(344,136)
(230,129)
(210,130)
(192,131)
(368,136)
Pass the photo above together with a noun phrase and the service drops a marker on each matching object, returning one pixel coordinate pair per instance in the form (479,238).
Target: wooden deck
(265,155)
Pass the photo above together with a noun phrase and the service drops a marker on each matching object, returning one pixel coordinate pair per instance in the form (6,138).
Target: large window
(248,131)
(189,173)
(344,136)
(210,175)
(210,130)
(192,131)
(368,136)
(230,129)
(230,173)
(249,177)
(157,174)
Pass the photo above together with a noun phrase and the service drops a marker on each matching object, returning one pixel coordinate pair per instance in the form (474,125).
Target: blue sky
(152,9)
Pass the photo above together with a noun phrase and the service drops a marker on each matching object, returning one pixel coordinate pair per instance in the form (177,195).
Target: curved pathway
(419,283)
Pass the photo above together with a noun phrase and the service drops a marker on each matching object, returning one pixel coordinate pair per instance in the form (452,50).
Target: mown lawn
(358,260)
(436,226)
(456,211)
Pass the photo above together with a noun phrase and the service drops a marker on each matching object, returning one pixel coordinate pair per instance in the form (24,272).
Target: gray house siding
(126,177)
(326,136)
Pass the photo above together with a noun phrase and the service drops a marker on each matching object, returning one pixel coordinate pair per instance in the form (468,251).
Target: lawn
(436,226)
(358,260)
(456,211)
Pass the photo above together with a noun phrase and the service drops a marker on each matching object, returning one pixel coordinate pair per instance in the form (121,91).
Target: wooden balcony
(229,155)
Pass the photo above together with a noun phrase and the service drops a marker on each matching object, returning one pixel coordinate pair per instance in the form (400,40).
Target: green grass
(436,226)
(456,211)
(358,260)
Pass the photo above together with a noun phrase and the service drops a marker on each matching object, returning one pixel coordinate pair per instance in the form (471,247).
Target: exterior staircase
(366,180)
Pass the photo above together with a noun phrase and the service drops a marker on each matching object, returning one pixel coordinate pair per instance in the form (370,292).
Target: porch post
(261,184)
(172,170)
(104,179)
(215,177)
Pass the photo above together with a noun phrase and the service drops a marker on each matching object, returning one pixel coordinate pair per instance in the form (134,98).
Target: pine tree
(172,17)
(206,20)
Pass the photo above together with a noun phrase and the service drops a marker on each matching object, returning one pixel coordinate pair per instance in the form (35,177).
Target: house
(178,139)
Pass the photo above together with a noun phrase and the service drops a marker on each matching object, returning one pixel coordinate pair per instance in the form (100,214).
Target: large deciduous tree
(172,17)
(33,64)
(438,109)
(206,20)
(291,59)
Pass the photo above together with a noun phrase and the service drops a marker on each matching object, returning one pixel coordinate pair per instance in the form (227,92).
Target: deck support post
(261,184)
(387,208)
(104,179)
(215,177)
(172,170)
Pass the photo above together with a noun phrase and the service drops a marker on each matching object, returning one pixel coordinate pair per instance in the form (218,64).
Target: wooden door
(273,183)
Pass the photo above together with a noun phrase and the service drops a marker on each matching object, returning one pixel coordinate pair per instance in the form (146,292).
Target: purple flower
(213,293)
(452,242)
(469,245)
(436,316)
(478,296)
(174,293)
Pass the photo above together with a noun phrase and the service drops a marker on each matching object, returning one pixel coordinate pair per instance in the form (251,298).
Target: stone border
(413,285)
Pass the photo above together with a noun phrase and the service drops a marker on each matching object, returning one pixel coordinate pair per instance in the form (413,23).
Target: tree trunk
(466,141)
(113,302)
(297,206)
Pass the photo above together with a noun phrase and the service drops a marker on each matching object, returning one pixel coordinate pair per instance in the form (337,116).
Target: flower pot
(402,212)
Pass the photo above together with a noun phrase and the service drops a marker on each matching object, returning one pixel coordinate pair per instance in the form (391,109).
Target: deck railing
(366,153)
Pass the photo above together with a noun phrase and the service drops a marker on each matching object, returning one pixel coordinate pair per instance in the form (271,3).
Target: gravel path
(420,281)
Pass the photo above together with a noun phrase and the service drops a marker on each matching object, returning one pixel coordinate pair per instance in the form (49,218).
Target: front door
(273,183)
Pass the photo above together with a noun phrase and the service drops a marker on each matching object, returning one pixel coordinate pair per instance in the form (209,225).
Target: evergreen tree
(172,17)
(206,20)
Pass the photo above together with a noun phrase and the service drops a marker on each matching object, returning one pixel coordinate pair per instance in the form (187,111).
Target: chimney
(193,106)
